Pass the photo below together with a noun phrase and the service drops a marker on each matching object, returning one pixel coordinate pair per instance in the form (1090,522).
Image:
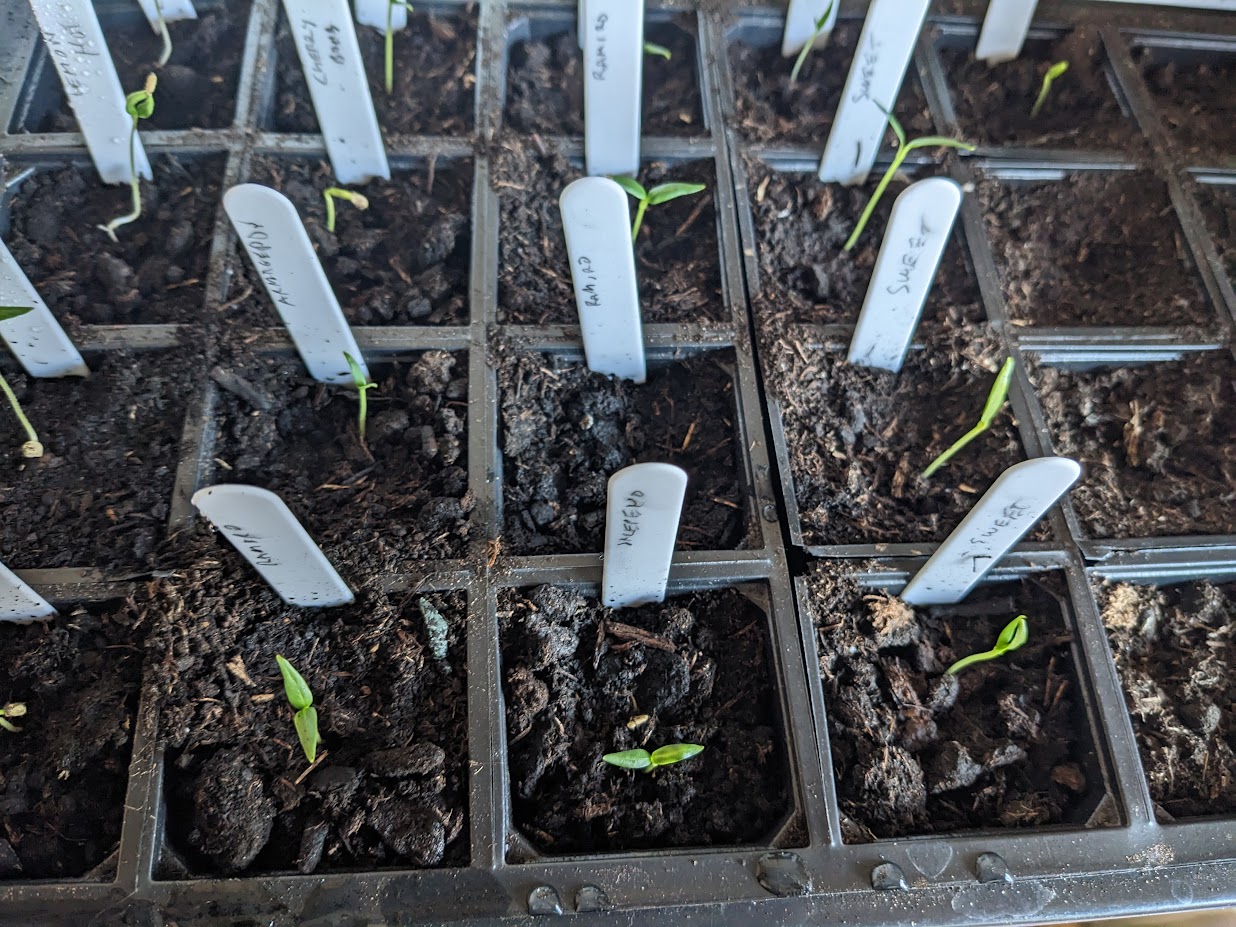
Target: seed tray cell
(1186,76)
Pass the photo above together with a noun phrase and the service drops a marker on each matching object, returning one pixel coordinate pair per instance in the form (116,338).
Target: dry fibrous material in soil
(1175,649)
(582,681)
(1196,102)
(1002,744)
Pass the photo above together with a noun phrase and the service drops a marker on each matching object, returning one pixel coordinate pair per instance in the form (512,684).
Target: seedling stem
(642,760)
(12,710)
(330,194)
(1015,633)
(390,40)
(1048,79)
(31,448)
(651,48)
(363,386)
(163,34)
(654,197)
(139,105)
(995,401)
(806,49)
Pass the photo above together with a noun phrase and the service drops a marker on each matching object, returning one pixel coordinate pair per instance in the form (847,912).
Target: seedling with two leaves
(643,761)
(300,697)
(806,49)
(995,402)
(139,105)
(1014,635)
(31,448)
(654,197)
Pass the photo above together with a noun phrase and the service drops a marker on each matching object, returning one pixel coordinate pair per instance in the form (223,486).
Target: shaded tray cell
(1218,203)
(1196,102)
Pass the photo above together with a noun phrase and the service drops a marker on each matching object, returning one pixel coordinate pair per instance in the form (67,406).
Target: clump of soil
(1198,107)
(156,273)
(566,430)
(1219,206)
(582,681)
(1177,658)
(545,84)
(378,507)
(677,256)
(1092,249)
(63,774)
(1001,744)
(1155,442)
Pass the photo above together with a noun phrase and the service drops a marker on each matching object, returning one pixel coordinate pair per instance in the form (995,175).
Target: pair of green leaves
(654,197)
(644,761)
(1015,633)
(300,697)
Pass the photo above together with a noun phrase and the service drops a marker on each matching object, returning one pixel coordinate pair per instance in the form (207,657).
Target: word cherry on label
(36,338)
(18,602)
(800,20)
(374,12)
(613,75)
(1004,30)
(641,525)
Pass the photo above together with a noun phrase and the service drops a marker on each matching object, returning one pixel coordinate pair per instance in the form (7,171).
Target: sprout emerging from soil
(301,699)
(389,53)
(654,197)
(995,401)
(647,762)
(363,386)
(164,35)
(1048,79)
(1015,633)
(139,105)
(815,34)
(651,48)
(31,448)
(11,710)
(330,194)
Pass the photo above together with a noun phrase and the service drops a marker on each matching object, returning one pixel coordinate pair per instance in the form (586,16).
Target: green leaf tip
(645,761)
(1014,635)
(996,398)
(294,686)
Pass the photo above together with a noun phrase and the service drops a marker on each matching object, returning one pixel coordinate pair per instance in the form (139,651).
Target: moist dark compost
(1196,102)
(582,681)
(1177,658)
(1001,744)
(677,257)
(63,774)
(1155,441)
(1218,203)
(566,431)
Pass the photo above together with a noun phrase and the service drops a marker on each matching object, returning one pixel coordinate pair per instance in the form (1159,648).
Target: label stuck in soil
(613,75)
(641,525)
(918,232)
(173,11)
(279,247)
(374,13)
(18,602)
(75,43)
(884,51)
(596,221)
(1004,30)
(36,338)
(800,20)
(331,59)
(267,534)
(1019,497)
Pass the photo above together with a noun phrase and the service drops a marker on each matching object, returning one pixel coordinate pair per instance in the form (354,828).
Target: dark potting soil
(1092,249)
(1177,658)
(1218,202)
(582,681)
(1155,442)
(566,430)
(390,785)
(156,273)
(63,774)
(677,258)
(434,76)
(1196,103)
(403,499)
(100,494)
(1001,744)
(545,84)
(403,261)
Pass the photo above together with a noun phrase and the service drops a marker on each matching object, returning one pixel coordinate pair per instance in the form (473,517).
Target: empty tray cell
(1218,201)
(1191,82)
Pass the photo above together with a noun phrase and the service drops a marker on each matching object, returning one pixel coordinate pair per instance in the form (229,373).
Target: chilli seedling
(654,197)
(330,194)
(1048,79)
(301,699)
(139,105)
(164,35)
(1015,633)
(815,34)
(995,401)
(31,447)
(651,48)
(389,45)
(642,760)
(11,710)
(363,386)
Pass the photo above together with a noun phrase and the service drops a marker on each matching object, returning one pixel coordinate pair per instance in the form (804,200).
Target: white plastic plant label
(374,12)
(1019,497)
(280,250)
(884,51)
(36,338)
(267,534)
(581,18)
(75,43)
(613,77)
(1004,30)
(173,11)
(18,602)
(597,224)
(800,20)
(330,57)
(918,231)
(641,525)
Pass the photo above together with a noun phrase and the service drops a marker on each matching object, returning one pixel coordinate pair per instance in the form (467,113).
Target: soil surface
(677,257)
(545,84)
(100,494)
(582,681)
(1177,658)
(1219,206)
(156,273)
(566,430)
(1001,744)
(434,77)
(63,774)
(1093,249)
(1155,442)
(1198,107)
(377,507)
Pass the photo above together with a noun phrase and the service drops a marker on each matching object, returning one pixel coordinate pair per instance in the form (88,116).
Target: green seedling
(389,53)
(651,48)
(301,700)
(1048,79)
(995,401)
(903,150)
(1015,633)
(330,194)
(139,105)
(363,386)
(654,197)
(11,710)
(31,448)
(647,762)
(815,34)
(164,35)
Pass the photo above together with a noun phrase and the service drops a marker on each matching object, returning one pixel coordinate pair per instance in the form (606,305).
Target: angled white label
(800,20)
(918,231)
(641,524)
(173,11)
(884,51)
(75,43)
(374,13)
(1004,30)
(581,18)
(267,534)
(1019,497)
(18,602)
(330,57)
(280,250)
(613,75)
(596,221)
(36,338)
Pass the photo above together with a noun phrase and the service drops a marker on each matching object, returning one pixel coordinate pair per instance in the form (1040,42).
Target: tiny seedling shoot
(330,194)
(31,448)
(995,401)
(1015,633)
(806,49)
(651,48)
(654,197)
(11,710)
(642,760)
(301,699)
(1048,79)
(363,386)
(163,34)
(389,46)
(139,105)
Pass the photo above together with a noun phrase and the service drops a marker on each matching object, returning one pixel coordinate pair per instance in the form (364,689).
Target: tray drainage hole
(888,876)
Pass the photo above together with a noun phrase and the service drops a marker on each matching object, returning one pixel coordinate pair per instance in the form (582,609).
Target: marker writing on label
(254,544)
(1010,515)
(586,269)
(318,68)
(871,59)
(631,515)
(909,260)
(601,65)
(257,241)
(72,44)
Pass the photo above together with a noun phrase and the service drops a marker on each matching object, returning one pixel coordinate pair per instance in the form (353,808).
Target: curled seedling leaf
(330,194)
(995,402)
(815,34)
(654,197)
(31,448)
(642,760)
(1015,633)
(139,105)
(12,710)
(1048,79)
(300,697)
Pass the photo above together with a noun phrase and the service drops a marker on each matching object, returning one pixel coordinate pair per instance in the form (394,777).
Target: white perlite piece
(884,51)
(1004,30)
(36,338)
(641,525)
(267,534)
(374,13)
(800,20)
(613,76)
(18,602)
(173,11)
(75,43)
(597,223)
(330,57)
(918,232)
(279,246)
(1019,497)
